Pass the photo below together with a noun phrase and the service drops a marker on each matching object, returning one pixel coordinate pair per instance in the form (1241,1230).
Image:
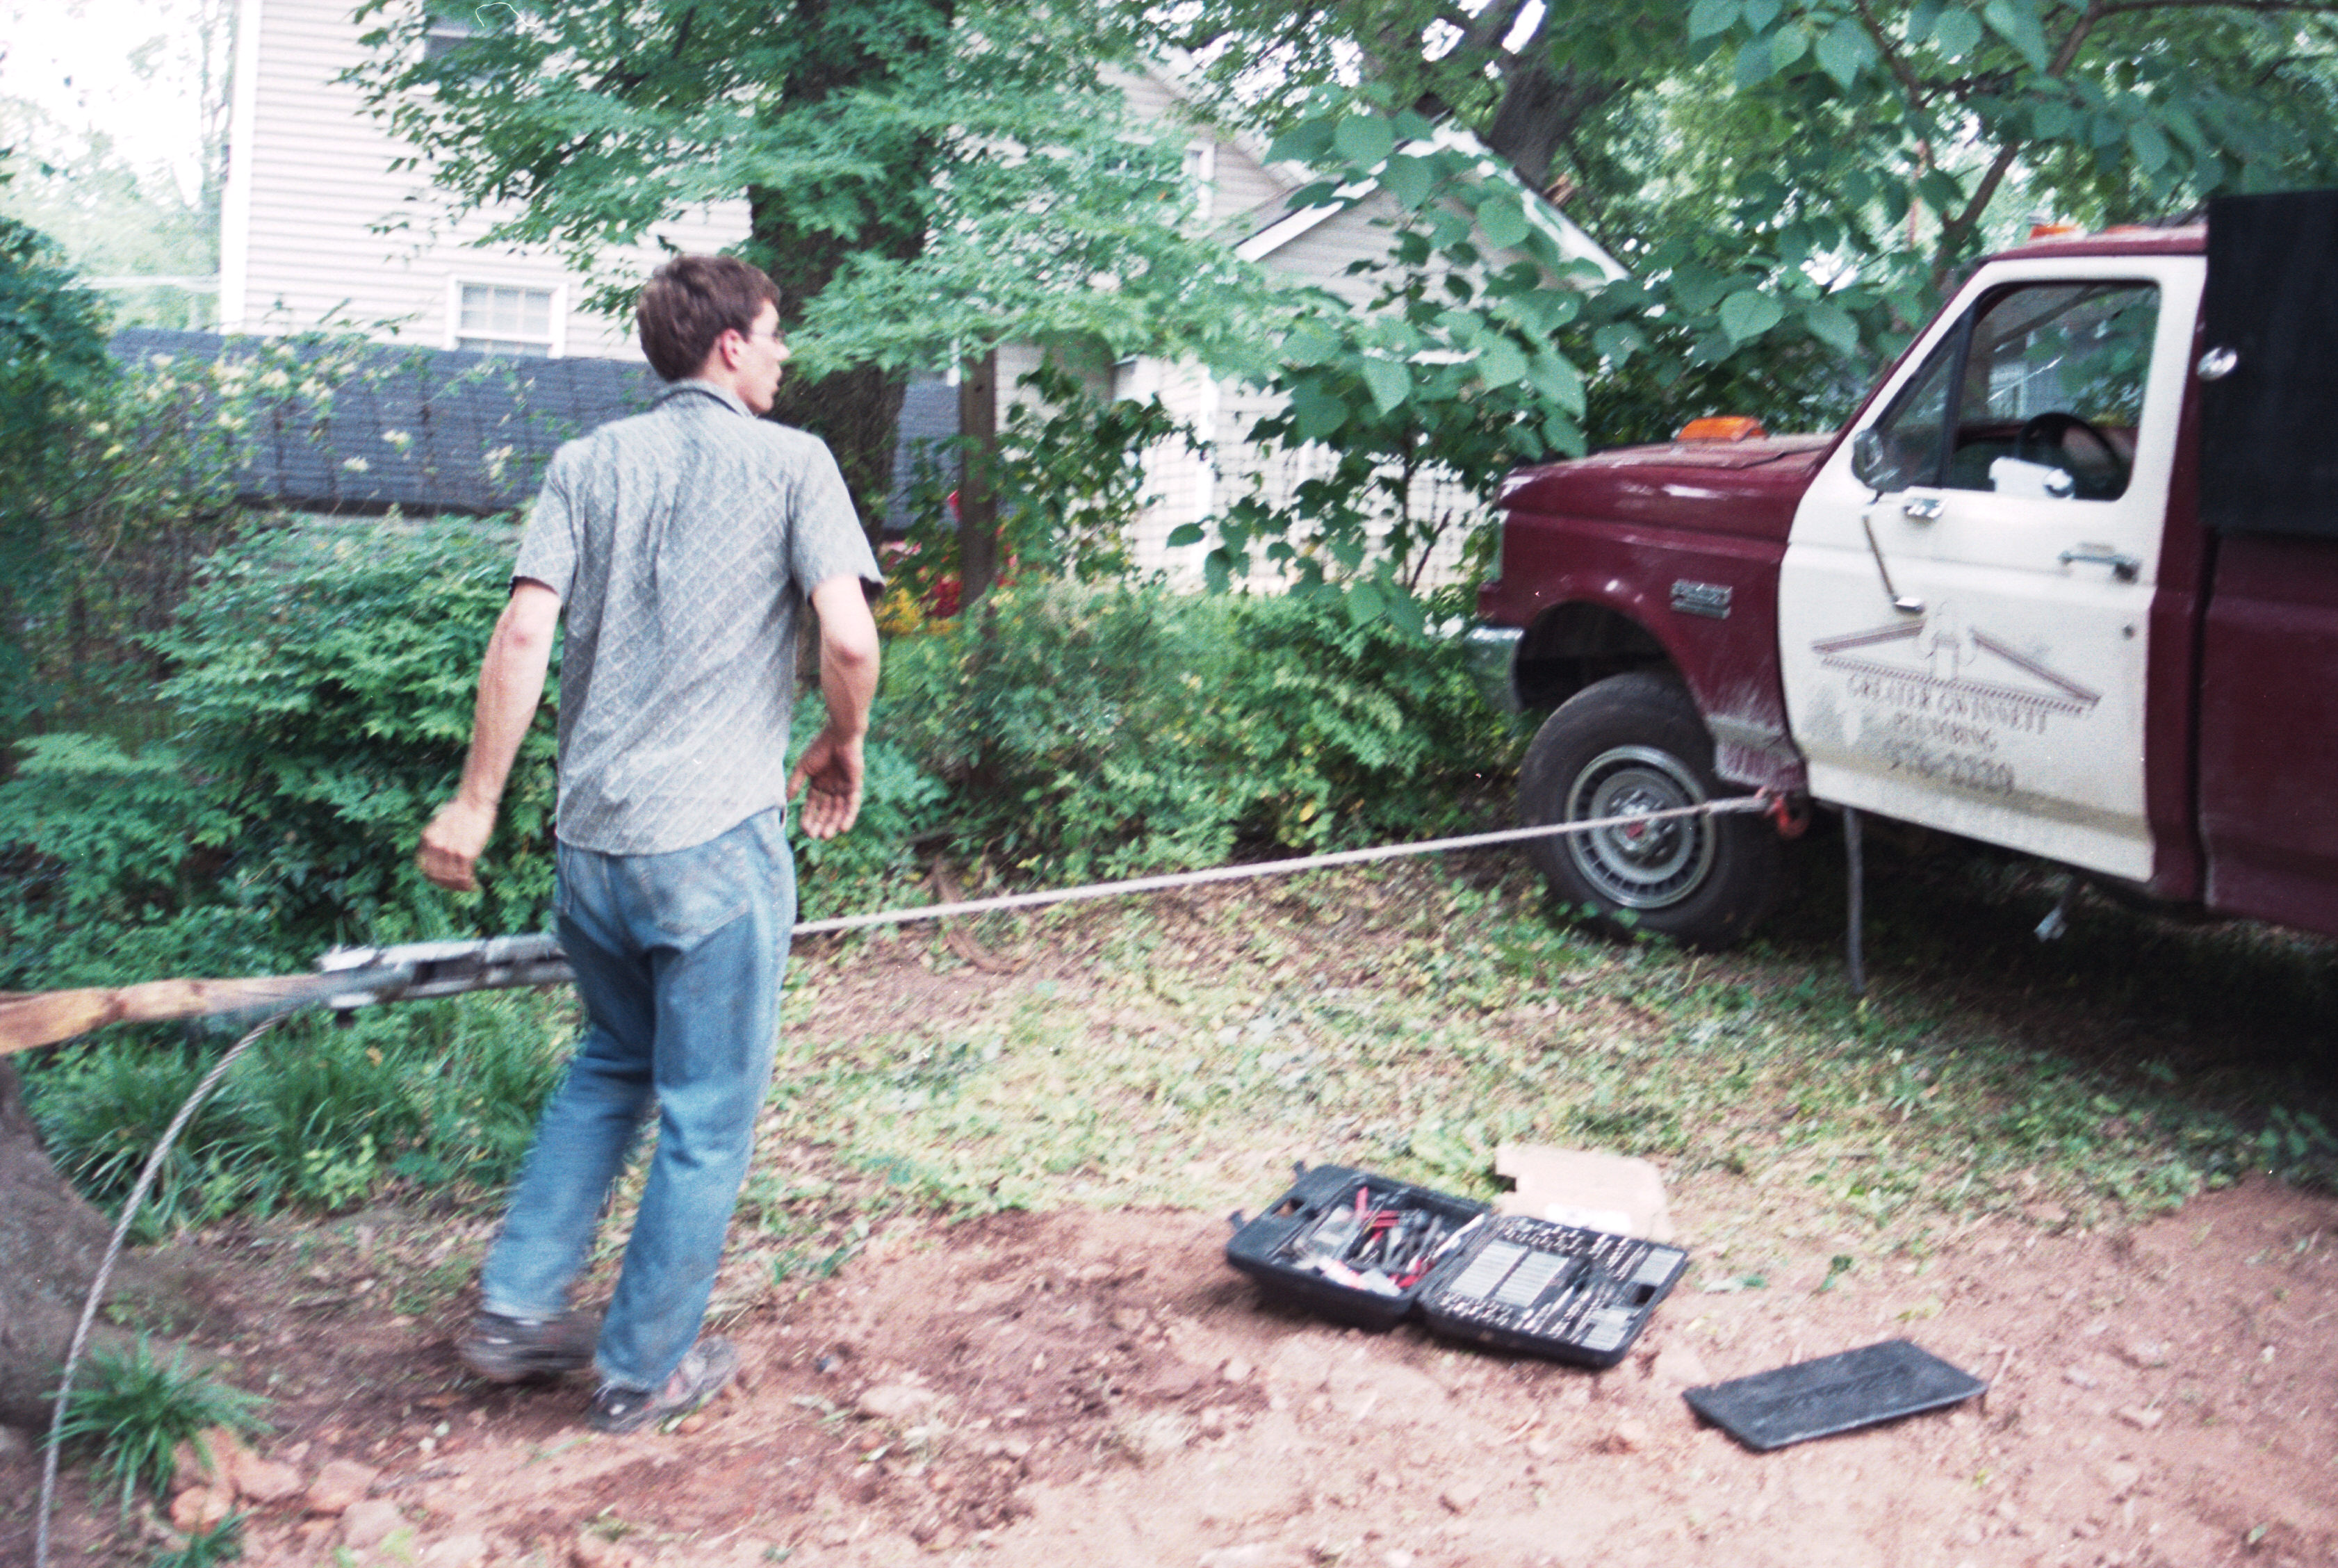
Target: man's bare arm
(831,764)
(511,685)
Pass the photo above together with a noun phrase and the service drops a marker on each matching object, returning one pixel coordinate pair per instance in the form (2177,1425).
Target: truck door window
(2052,390)
(2037,393)
(1912,447)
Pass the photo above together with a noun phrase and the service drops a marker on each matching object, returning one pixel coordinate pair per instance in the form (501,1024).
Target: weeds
(324,1115)
(131,1412)
(221,1544)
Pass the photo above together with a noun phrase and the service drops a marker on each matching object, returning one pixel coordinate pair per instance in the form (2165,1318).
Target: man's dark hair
(691,301)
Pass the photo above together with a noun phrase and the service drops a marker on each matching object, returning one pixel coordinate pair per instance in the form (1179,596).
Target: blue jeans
(678,960)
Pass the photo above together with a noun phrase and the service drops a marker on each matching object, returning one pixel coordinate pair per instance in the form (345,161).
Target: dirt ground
(1033,1390)
(1040,1390)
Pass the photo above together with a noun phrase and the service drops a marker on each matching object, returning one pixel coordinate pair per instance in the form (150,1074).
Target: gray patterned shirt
(684,544)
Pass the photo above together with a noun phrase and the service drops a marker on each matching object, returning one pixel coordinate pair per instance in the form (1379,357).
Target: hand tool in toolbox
(1371,1250)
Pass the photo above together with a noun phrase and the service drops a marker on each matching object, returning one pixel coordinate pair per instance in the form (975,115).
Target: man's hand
(832,766)
(452,844)
(511,685)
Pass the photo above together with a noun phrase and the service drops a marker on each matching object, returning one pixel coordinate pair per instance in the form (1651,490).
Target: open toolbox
(1371,1250)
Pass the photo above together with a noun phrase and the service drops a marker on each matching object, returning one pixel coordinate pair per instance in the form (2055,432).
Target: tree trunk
(978,488)
(857,411)
(1539,111)
(51,1243)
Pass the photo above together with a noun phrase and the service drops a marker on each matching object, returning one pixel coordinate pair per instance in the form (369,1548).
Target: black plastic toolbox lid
(1834,1394)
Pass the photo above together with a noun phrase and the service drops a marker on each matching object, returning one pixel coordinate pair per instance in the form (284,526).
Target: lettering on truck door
(1964,640)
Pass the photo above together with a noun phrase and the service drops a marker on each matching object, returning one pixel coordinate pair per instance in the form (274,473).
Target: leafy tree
(1538,84)
(925,177)
(112,215)
(1455,363)
(1814,171)
(51,354)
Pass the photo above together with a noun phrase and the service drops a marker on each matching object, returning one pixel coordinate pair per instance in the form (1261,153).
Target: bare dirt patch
(1097,1387)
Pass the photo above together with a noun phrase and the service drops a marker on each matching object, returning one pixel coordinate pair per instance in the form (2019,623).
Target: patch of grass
(129,1411)
(321,1116)
(221,1544)
(1412,1019)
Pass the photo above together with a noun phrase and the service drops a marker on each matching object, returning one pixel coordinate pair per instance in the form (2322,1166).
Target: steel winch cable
(105,1270)
(1171,881)
(1765,801)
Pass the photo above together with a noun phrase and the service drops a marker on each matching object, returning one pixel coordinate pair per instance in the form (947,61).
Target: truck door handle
(1922,508)
(2125,568)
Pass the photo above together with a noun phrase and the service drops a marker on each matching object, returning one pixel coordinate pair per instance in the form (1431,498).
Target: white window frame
(450,30)
(556,346)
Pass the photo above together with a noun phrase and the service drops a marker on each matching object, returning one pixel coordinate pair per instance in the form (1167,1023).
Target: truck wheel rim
(1650,867)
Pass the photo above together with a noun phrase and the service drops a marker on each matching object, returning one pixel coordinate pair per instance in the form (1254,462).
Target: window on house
(1201,176)
(505,318)
(444,36)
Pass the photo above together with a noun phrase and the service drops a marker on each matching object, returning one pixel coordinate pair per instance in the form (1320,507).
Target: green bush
(325,689)
(319,712)
(51,356)
(900,804)
(1100,733)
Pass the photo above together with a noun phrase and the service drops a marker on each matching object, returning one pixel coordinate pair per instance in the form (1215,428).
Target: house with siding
(316,231)
(1244,197)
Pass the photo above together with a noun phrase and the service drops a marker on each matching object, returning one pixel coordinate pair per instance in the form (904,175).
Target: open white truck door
(1963,607)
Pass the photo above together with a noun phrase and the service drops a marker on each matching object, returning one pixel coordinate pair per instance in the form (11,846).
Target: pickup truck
(2067,582)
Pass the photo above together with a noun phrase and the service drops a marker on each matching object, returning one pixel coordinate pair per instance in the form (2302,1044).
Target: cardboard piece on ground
(1577,1186)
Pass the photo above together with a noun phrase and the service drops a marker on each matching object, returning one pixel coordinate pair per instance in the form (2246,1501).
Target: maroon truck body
(1668,558)
(1616,531)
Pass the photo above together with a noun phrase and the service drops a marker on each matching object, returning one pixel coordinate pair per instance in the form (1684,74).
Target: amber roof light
(1722,427)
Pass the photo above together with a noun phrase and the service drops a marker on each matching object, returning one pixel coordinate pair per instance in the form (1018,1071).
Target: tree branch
(1953,233)
(2321,7)
(1908,79)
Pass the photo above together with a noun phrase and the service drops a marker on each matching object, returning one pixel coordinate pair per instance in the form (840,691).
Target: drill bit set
(1555,1289)
(1370,1251)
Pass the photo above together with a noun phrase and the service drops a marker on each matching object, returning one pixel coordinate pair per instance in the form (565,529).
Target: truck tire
(1635,741)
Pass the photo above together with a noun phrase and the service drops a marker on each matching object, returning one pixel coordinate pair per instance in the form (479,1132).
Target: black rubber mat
(1833,1394)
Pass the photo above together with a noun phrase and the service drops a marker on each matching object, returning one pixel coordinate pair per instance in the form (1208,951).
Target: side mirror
(1871,461)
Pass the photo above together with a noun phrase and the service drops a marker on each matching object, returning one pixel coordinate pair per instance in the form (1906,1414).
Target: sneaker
(527,1350)
(710,1365)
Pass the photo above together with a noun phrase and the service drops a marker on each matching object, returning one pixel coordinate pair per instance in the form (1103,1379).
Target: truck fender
(1573,645)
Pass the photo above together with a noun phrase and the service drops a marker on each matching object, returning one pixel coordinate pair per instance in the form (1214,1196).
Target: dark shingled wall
(477,428)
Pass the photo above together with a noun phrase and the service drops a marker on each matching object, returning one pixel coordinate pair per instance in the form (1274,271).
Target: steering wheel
(2046,439)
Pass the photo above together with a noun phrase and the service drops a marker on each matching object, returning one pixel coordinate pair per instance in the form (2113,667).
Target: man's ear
(724,355)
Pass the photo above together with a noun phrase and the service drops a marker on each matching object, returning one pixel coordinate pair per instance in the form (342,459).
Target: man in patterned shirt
(682,545)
